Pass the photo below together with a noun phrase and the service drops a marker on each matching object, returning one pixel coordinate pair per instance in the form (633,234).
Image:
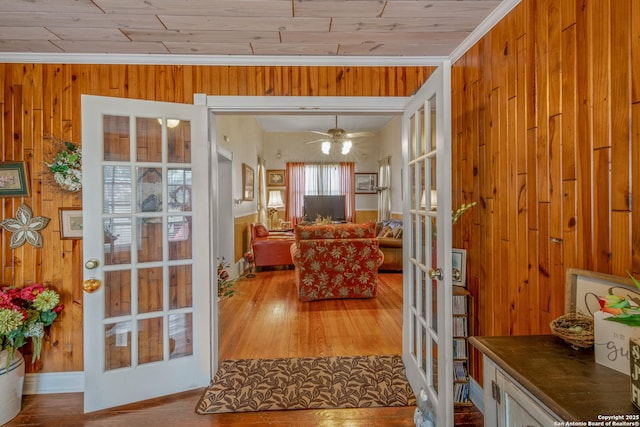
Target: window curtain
(347,187)
(384,192)
(262,191)
(294,191)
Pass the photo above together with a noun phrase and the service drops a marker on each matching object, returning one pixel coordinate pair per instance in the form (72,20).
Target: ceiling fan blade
(315,140)
(358,134)
(320,133)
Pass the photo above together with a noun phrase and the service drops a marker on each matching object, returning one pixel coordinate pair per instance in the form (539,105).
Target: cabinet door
(517,409)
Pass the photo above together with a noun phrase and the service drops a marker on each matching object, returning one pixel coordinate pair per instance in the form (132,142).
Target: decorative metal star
(25,227)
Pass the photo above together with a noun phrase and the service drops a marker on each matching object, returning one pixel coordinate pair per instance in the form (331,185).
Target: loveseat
(336,261)
(270,248)
(389,234)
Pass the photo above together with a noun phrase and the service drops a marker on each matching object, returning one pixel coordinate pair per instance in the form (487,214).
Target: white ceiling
(325,28)
(321,123)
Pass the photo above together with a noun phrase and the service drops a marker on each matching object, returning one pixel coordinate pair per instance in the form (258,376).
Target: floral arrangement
(249,259)
(66,167)
(225,283)
(620,308)
(24,313)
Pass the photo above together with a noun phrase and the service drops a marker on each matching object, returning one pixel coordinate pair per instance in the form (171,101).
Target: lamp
(275,202)
(434,200)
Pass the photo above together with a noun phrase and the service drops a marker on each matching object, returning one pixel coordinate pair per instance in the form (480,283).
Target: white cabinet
(508,404)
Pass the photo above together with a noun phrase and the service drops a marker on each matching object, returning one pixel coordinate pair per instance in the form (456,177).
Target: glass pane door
(427,319)
(139,201)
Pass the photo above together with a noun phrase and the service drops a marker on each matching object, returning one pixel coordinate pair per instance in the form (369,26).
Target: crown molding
(247,60)
(485,26)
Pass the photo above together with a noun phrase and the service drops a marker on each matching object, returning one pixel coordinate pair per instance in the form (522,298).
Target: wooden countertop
(567,381)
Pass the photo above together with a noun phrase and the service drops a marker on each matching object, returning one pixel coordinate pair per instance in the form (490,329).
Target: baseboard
(476,394)
(54,382)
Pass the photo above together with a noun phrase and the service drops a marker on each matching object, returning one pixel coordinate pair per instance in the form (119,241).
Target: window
(317,179)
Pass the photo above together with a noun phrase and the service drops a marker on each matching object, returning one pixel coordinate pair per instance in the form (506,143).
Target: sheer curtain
(262,191)
(294,178)
(348,188)
(384,192)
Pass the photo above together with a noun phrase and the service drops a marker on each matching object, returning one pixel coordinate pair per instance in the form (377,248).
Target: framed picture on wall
(247,182)
(459,263)
(70,223)
(275,178)
(366,183)
(13,179)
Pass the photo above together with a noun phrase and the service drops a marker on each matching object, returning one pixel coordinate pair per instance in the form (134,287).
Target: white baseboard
(54,382)
(476,394)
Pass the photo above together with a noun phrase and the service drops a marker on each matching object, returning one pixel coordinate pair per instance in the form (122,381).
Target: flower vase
(11,382)
(250,274)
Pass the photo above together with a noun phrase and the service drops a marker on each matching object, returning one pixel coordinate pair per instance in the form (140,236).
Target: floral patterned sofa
(336,261)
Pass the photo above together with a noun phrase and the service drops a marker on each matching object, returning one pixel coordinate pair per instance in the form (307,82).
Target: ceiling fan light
(326,147)
(171,123)
(346,147)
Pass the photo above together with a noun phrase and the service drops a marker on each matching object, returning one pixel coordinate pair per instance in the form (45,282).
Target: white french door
(147,328)
(427,312)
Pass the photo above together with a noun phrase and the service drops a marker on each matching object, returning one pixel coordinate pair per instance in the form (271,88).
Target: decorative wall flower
(25,227)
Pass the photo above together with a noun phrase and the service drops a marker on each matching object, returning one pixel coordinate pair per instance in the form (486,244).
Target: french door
(147,327)
(427,308)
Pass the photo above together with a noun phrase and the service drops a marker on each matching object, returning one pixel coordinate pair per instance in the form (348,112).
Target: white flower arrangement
(66,167)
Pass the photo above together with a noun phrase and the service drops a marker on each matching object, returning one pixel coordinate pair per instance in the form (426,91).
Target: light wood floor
(265,319)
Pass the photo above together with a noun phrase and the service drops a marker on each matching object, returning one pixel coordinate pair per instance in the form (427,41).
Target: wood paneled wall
(546,128)
(40,100)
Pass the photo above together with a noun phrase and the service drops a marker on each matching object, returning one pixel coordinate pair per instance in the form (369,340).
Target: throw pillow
(397,233)
(261,230)
(385,232)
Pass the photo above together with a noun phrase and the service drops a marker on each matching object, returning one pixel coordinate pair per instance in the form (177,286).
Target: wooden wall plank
(573,133)
(41,101)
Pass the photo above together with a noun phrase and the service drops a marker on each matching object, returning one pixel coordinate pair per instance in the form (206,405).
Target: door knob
(91,264)
(457,274)
(435,273)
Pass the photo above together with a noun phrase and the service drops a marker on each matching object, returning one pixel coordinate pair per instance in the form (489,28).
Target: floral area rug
(307,383)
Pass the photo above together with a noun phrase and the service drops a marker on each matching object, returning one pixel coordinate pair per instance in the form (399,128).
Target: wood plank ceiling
(241,27)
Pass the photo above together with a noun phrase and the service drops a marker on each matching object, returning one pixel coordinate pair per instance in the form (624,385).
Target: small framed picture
(247,182)
(70,223)
(366,183)
(459,262)
(275,178)
(13,179)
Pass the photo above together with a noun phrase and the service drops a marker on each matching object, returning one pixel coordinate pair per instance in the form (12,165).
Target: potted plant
(24,314)
(225,283)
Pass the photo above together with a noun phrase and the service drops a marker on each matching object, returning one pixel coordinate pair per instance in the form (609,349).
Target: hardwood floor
(265,319)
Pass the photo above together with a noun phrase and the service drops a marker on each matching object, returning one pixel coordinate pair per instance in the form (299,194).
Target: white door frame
(304,105)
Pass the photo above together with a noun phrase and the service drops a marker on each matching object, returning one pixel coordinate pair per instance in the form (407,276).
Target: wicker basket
(576,329)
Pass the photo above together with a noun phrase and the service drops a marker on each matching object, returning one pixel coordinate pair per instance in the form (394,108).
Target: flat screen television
(333,206)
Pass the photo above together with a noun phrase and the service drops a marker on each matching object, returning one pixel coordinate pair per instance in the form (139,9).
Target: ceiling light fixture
(346,147)
(171,123)
(326,147)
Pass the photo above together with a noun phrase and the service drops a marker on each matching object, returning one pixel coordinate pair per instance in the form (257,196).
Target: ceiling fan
(338,136)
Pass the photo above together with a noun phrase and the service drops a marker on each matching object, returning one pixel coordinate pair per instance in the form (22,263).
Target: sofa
(335,261)
(270,248)
(389,233)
